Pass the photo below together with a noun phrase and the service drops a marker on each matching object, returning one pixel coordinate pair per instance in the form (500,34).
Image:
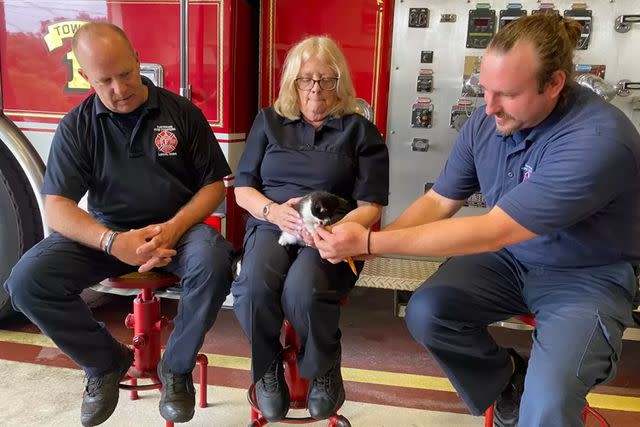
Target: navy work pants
(46,284)
(289,282)
(581,314)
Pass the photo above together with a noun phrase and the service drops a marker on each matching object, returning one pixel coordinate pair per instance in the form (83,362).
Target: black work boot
(177,396)
(101,392)
(508,403)
(272,393)
(326,393)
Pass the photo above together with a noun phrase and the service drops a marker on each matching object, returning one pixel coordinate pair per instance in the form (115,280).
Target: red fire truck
(207,50)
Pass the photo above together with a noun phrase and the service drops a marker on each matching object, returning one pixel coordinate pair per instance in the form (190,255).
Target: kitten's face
(324,207)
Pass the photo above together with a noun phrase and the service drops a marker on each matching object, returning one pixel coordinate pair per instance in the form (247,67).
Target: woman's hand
(286,217)
(308,238)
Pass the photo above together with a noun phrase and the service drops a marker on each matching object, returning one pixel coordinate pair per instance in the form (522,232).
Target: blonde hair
(554,38)
(326,50)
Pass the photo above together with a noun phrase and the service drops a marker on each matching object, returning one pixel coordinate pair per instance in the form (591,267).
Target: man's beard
(506,131)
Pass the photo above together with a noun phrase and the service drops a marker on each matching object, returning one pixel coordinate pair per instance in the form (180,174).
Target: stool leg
(203,361)
(588,410)
(298,386)
(338,421)
(168,424)
(488,417)
(133,393)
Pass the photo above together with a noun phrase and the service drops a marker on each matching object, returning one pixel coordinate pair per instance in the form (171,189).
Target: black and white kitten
(316,208)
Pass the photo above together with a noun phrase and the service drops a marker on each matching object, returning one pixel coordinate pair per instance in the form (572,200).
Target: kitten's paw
(287,239)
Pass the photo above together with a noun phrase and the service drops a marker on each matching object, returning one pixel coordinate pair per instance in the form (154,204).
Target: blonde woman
(311,139)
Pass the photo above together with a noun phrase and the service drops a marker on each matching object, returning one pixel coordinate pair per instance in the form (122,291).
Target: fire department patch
(166,142)
(527,171)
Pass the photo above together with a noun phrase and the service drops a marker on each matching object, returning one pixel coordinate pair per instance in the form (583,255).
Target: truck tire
(20,221)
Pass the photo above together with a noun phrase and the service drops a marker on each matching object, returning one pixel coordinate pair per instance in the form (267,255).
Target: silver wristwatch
(266,209)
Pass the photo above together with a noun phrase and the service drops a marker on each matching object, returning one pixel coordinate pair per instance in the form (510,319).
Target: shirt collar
(522,135)
(548,123)
(330,121)
(150,104)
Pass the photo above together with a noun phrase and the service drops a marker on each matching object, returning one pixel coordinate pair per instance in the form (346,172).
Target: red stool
(147,324)
(298,386)
(530,320)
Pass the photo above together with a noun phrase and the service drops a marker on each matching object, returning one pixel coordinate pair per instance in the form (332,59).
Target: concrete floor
(28,384)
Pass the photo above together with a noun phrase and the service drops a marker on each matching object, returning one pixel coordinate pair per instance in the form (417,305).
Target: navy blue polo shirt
(286,158)
(139,168)
(573,180)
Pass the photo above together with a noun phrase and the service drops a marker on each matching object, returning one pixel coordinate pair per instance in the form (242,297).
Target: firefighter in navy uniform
(311,139)
(154,171)
(560,170)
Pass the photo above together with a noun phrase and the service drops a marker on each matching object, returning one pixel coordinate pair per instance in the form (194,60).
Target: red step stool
(530,320)
(298,386)
(147,324)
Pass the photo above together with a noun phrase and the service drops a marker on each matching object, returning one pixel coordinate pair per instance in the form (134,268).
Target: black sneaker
(101,392)
(272,393)
(508,403)
(177,396)
(326,393)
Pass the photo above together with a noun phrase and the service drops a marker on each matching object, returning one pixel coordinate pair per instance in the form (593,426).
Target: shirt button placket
(309,136)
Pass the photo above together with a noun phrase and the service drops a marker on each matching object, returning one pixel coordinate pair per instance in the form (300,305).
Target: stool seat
(147,280)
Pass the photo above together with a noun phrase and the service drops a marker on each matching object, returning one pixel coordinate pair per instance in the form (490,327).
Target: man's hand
(308,238)
(347,239)
(286,217)
(125,248)
(159,249)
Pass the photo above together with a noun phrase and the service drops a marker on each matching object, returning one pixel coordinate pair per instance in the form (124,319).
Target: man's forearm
(64,216)
(452,236)
(426,209)
(366,214)
(201,205)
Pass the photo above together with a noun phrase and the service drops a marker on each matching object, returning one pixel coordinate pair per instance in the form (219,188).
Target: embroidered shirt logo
(166,141)
(527,171)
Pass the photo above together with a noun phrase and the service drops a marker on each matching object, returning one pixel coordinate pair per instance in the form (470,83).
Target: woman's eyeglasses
(325,83)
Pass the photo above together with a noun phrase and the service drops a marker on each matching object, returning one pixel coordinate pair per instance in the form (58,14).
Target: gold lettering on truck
(56,34)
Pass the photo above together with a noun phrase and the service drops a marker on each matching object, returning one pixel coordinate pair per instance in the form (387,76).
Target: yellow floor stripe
(25,338)
(424,382)
(397,379)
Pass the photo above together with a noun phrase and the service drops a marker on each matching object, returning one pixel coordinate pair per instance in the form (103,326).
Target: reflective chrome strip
(28,159)
(36,125)
(227,137)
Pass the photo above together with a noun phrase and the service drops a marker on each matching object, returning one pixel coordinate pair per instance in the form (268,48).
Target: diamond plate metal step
(400,274)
